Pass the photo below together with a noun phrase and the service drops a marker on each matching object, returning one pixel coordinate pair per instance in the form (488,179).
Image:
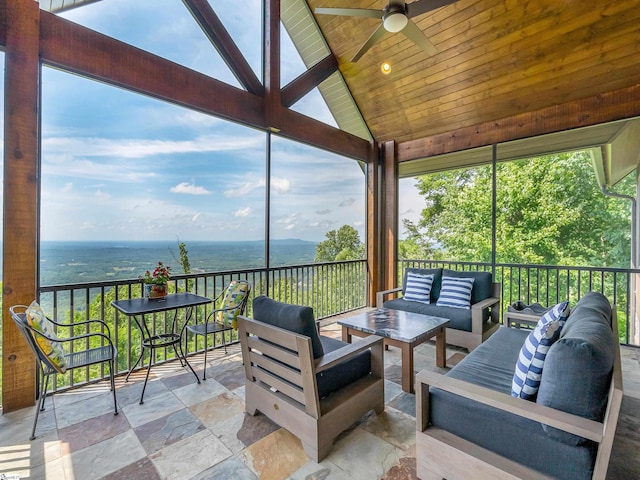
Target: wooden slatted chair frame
(281,383)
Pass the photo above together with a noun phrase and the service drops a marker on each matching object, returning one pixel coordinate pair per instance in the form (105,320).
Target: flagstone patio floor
(189,431)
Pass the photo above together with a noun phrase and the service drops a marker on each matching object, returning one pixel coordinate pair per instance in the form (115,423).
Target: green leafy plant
(161,274)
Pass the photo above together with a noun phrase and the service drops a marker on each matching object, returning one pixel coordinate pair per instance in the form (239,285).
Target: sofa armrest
(380,295)
(350,350)
(567,422)
(477,319)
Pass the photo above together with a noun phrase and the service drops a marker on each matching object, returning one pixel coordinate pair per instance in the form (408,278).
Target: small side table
(518,319)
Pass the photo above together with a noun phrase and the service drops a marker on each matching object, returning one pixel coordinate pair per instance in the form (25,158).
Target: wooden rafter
(299,87)
(224,44)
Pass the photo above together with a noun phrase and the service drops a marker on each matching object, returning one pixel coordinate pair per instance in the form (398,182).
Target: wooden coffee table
(404,330)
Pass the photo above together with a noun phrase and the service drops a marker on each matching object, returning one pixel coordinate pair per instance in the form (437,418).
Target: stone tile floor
(190,431)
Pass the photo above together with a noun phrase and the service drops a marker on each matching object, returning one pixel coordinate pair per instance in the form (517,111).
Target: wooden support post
(373,226)
(390,216)
(19,262)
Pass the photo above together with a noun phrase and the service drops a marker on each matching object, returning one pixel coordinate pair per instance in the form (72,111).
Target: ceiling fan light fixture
(394,21)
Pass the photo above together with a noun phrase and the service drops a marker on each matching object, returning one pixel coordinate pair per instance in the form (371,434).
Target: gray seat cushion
(294,318)
(460,317)
(524,441)
(578,368)
(341,375)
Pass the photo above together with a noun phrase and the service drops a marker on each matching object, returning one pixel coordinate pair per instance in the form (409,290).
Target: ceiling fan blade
(375,36)
(423,6)
(350,12)
(413,33)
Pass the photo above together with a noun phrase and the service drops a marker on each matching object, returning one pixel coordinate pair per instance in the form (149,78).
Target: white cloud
(347,202)
(243,212)
(196,216)
(190,189)
(279,185)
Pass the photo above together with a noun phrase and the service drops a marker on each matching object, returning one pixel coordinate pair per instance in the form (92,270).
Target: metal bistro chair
(233,301)
(51,358)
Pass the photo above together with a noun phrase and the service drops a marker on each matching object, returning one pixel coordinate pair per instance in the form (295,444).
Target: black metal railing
(330,288)
(550,284)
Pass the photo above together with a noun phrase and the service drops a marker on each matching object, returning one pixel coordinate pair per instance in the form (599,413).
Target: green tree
(342,244)
(549,211)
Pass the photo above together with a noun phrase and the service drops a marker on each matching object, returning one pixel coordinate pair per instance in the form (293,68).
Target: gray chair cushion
(482,283)
(343,374)
(294,318)
(437,280)
(578,368)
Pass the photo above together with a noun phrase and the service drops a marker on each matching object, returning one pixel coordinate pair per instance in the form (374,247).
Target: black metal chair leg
(40,407)
(206,347)
(113,385)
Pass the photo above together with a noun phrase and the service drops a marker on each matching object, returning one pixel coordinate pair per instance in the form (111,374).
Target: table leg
(407,367)
(182,355)
(147,377)
(135,364)
(441,348)
(346,336)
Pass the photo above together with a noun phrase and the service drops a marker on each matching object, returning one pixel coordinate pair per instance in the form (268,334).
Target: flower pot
(155,291)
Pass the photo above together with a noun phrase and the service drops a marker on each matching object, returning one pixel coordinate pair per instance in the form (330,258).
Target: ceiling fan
(395,18)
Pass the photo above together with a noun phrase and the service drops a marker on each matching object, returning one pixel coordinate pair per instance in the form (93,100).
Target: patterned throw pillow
(233,297)
(418,288)
(37,319)
(526,380)
(455,292)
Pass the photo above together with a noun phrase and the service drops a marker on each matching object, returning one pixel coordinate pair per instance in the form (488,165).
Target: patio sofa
(468,421)
(468,327)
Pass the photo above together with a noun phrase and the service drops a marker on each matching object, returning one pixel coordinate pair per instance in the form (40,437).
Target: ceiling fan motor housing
(394,18)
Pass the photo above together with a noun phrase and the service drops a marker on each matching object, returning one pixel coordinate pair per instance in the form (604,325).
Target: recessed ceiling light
(385,68)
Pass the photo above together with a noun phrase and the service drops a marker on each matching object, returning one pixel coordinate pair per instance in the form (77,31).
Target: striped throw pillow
(455,292)
(526,380)
(418,288)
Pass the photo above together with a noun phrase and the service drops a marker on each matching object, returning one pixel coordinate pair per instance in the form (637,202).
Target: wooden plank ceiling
(496,59)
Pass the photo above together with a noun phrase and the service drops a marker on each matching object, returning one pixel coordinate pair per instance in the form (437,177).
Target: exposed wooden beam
(606,107)
(80,50)
(271,44)
(309,80)
(224,44)
(20,238)
(3,22)
(299,127)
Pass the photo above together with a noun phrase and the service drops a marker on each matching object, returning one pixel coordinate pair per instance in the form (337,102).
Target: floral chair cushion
(233,297)
(37,319)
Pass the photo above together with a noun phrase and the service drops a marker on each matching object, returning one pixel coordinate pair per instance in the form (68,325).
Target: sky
(122,166)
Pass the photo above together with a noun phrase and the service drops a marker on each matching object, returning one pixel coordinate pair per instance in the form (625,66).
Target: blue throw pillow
(526,379)
(455,292)
(418,287)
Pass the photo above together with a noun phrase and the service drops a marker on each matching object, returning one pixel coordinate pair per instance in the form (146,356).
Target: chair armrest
(567,422)
(380,295)
(217,310)
(345,353)
(83,322)
(487,302)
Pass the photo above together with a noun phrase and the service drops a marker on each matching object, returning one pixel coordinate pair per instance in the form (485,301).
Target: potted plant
(155,283)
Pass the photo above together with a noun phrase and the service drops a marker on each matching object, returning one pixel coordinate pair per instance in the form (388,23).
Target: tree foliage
(549,210)
(342,244)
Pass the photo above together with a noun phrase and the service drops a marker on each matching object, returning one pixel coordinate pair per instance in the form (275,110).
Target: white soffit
(61,5)
(577,139)
(312,47)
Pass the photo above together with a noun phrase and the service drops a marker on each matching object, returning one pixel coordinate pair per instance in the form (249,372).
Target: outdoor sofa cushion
(460,318)
(524,441)
(578,368)
(455,292)
(300,319)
